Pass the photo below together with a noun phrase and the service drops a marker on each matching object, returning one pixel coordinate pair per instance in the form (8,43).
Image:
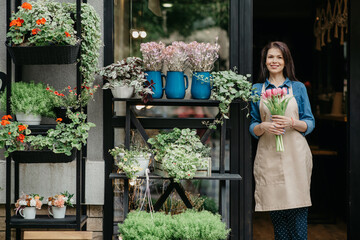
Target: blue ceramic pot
(175,86)
(200,85)
(156,76)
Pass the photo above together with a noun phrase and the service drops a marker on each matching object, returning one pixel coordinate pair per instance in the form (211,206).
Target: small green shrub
(190,225)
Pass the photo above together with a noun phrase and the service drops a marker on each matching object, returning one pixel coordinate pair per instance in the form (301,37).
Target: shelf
(42,156)
(214,176)
(44,221)
(170,102)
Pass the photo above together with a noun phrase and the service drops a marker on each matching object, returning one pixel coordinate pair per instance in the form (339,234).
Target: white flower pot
(28,119)
(122,92)
(143,164)
(57,212)
(28,212)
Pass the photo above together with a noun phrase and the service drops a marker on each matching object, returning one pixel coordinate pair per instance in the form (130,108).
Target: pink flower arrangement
(276,101)
(175,56)
(61,200)
(28,200)
(202,56)
(152,55)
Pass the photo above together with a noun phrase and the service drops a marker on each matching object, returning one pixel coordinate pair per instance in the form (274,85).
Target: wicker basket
(42,55)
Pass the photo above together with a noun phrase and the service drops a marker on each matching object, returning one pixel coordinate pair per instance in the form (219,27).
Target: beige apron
(282,178)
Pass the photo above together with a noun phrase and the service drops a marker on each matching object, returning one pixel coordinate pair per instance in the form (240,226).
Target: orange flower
(62,95)
(5,117)
(17,22)
(35,31)
(67,34)
(9,133)
(5,122)
(41,21)
(9,116)
(20,138)
(26,6)
(59,119)
(21,128)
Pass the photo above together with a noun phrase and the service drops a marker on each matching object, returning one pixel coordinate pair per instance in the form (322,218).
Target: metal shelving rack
(78,221)
(131,121)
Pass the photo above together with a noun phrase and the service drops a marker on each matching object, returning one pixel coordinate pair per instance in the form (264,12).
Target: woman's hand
(282,121)
(272,127)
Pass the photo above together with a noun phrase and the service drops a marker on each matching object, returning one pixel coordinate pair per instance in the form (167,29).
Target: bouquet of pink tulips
(276,101)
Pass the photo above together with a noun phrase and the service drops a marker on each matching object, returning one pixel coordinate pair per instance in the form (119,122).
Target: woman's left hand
(281,121)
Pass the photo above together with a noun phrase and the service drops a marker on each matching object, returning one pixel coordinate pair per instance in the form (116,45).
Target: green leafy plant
(45,23)
(29,98)
(64,137)
(191,225)
(181,152)
(127,160)
(12,135)
(228,86)
(68,96)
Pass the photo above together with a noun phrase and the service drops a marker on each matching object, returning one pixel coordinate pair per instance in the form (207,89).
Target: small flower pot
(200,85)
(156,77)
(176,85)
(143,164)
(28,212)
(122,92)
(57,212)
(42,55)
(28,119)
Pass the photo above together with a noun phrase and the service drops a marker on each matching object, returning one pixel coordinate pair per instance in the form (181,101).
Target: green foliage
(12,135)
(64,137)
(29,98)
(228,86)
(190,225)
(69,198)
(127,160)
(181,152)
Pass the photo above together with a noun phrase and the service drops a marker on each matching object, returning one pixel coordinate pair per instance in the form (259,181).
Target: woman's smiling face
(275,61)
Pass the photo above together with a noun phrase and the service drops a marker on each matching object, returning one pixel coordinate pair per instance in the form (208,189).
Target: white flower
(49,203)
(65,199)
(22,203)
(32,203)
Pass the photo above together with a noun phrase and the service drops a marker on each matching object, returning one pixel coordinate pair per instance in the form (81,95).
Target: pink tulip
(268,93)
(274,91)
(264,96)
(284,91)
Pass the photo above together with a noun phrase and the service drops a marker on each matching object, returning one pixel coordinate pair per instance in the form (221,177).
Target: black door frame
(241,19)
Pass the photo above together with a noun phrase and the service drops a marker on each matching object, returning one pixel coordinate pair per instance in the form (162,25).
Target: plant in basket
(227,87)
(132,162)
(124,77)
(67,98)
(57,204)
(26,205)
(29,102)
(64,137)
(12,135)
(180,153)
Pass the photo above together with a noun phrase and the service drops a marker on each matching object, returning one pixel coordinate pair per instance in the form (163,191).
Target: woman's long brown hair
(289,69)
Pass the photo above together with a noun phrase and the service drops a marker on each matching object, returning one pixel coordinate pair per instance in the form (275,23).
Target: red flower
(59,119)
(69,87)
(5,122)
(67,34)
(62,95)
(48,88)
(70,90)
(9,133)
(56,93)
(21,138)
(35,31)
(9,116)
(91,93)
(87,87)
(17,22)
(41,21)
(26,5)
(21,128)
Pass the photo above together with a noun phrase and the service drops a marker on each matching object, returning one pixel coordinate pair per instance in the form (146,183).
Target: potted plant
(175,58)
(124,77)
(43,32)
(190,225)
(57,204)
(227,87)
(29,102)
(12,135)
(180,154)
(153,61)
(68,99)
(132,162)
(26,205)
(202,57)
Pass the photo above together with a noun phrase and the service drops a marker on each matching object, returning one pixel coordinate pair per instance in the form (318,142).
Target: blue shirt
(301,98)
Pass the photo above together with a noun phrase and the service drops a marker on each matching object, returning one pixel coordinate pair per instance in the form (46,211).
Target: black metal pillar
(241,195)
(353,124)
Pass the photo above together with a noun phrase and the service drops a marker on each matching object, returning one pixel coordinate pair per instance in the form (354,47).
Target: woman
(282,178)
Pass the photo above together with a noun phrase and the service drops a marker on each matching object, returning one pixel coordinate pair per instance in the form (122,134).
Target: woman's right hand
(272,128)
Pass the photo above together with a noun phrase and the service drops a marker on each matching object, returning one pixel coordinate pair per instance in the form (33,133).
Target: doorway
(321,63)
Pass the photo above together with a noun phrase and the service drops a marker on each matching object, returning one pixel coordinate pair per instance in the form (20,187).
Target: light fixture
(134,33)
(139,107)
(167,5)
(142,34)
